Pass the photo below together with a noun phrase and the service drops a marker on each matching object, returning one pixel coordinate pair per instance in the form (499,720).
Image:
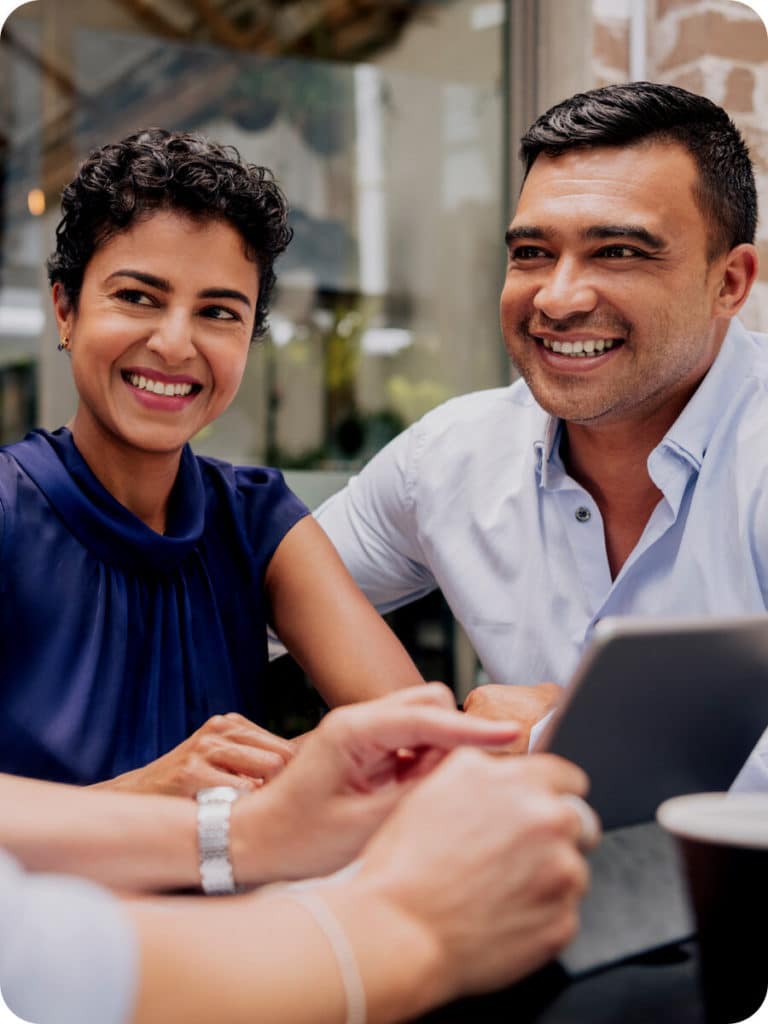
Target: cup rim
(726,819)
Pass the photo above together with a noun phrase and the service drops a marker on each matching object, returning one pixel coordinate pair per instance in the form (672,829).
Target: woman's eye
(220,313)
(135,297)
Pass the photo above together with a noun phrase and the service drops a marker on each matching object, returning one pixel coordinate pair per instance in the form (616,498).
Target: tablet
(660,708)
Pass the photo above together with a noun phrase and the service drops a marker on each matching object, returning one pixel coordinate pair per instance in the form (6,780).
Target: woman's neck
(140,480)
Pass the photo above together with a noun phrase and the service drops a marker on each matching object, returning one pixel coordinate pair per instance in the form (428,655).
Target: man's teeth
(592,347)
(157,387)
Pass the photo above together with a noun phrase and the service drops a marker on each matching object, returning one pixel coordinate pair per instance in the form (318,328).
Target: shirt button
(583,515)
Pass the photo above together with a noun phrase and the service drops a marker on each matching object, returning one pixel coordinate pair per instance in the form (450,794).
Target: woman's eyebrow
(163,285)
(225,293)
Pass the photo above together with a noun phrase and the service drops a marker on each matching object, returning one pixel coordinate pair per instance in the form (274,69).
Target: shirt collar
(549,465)
(690,434)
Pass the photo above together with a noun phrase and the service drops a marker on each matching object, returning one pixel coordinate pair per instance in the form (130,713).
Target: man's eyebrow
(598,232)
(163,285)
(633,231)
(524,231)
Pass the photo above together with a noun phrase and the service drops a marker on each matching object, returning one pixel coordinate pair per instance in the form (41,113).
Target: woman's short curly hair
(161,170)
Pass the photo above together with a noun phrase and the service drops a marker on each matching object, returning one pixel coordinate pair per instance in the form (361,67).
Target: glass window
(383,123)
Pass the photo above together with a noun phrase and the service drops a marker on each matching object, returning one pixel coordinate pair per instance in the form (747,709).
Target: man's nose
(565,291)
(173,338)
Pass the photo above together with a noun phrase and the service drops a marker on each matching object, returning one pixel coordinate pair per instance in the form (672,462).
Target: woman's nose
(173,339)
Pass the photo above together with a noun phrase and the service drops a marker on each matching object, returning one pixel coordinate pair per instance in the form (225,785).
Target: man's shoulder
(481,410)
(752,349)
(470,436)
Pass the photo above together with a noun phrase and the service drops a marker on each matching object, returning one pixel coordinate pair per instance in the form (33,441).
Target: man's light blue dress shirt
(474,499)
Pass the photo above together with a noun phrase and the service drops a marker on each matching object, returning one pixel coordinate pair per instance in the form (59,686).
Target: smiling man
(625,473)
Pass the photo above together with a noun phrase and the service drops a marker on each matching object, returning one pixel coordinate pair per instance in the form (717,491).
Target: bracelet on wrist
(214,807)
(354,991)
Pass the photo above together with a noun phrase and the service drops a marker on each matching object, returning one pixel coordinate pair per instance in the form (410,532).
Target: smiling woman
(138,579)
(150,309)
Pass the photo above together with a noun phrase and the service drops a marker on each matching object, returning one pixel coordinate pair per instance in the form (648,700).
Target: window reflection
(383,124)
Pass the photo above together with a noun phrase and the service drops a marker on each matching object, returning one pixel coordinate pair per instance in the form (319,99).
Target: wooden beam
(147,14)
(42,62)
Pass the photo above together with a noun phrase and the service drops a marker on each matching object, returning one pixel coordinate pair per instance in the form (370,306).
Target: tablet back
(657,709)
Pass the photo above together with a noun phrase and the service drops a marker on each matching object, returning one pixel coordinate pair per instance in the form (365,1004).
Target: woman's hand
(347,776)
(227,750)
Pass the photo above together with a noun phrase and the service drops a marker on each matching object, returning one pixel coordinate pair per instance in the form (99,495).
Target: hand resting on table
(526,705)
(227,750)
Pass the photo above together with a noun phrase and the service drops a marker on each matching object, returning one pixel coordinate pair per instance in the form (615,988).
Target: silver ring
(589,832)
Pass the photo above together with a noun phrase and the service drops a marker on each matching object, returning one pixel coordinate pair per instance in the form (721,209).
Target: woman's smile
(158,390)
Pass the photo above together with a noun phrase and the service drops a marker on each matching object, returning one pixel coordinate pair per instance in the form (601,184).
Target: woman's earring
(63,344)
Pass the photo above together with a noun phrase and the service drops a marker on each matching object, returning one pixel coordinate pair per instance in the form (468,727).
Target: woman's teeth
(592,347)
(157,387)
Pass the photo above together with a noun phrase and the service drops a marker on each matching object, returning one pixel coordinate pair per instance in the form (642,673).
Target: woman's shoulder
(13,484)
(243,480)
(11,456)
(258,495)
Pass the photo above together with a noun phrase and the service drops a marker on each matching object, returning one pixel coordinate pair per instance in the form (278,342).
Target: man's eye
(527,252)
(135,297)
(619,252)
(220,313)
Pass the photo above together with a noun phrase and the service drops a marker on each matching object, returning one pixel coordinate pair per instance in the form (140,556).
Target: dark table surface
(658,988)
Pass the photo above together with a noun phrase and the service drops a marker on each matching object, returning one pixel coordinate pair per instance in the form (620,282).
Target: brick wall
(718,48)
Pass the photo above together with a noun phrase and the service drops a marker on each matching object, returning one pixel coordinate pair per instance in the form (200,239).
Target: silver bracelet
(339,943)
(214,806)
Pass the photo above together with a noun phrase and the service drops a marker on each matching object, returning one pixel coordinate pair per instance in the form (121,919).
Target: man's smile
(578,348)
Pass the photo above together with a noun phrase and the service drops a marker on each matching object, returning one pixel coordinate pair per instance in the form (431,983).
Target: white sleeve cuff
(68,953)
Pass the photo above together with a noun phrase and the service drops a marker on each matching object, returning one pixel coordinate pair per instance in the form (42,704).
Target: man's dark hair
(624,115)
(180,171)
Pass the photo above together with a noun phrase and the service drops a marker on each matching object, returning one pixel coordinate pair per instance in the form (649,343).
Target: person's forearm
(331,630)
(266,958)
(122,840)
(130,841)
(361,661)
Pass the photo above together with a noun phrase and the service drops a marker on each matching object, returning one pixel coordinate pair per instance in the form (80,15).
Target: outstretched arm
(315,817)
(443,905)
(471,884)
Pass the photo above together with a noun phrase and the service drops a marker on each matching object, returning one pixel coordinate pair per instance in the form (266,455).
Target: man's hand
(525,705)
(345,779)
(227,750)
(483,859)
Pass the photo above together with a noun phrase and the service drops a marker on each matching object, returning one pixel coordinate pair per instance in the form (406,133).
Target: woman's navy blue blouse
(117,642)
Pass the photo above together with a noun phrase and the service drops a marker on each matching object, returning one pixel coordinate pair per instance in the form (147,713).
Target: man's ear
(62,310)
(737,277)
